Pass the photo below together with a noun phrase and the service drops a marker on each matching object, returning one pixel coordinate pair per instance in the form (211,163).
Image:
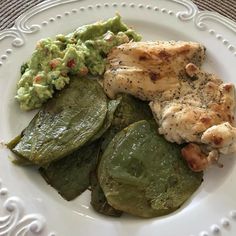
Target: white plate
(28,206)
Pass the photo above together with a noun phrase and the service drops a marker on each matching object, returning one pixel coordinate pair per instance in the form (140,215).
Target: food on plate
(221,137)
(111,108)
(16,159)
(143,174)
(78,53)
(189,105)
(129,111)
(65,123)
(123,118)
(70,176)
(99,201)
(146,69)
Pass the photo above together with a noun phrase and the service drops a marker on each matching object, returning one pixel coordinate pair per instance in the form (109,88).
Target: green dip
(78,53)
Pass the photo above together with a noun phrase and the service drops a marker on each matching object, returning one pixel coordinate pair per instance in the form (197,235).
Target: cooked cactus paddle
(129,110)
(143,174)
(99,201)
(65,123)
(70,176)
(111,108)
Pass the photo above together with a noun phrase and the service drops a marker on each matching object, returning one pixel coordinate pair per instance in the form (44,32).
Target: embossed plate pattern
(28,206)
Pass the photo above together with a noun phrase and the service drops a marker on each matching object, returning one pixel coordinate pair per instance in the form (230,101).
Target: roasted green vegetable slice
(65,123)
(99,201)
(129,110)
(143,174)
(14,142)
(111,108)
(20,161)
(70,176)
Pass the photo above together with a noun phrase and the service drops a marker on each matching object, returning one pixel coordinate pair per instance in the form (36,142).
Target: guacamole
(79,53)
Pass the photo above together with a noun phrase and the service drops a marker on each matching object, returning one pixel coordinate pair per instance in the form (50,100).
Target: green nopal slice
(129,110)
(111,108)
(65,123)
(99,201)
(70,176)
(143,174)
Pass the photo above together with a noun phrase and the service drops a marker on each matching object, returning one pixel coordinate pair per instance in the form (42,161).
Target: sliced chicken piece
(221,137)
(194,107)
(188,104)
(200,111)
(197,159)
(144,69)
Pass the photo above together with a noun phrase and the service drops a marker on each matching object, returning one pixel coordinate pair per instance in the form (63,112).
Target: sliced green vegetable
(111,108)
(65,123)
(143,174)
(70,176)
(129,110)
(99,201)
(20,161)
(14,142)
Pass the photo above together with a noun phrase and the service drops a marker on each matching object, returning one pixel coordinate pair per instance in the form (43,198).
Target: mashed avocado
(78,53)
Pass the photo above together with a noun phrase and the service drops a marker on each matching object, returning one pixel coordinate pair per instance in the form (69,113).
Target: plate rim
(16,37)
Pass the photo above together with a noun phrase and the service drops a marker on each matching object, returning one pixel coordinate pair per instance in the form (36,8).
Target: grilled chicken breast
(201,110)
(144,69)
(188,104)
